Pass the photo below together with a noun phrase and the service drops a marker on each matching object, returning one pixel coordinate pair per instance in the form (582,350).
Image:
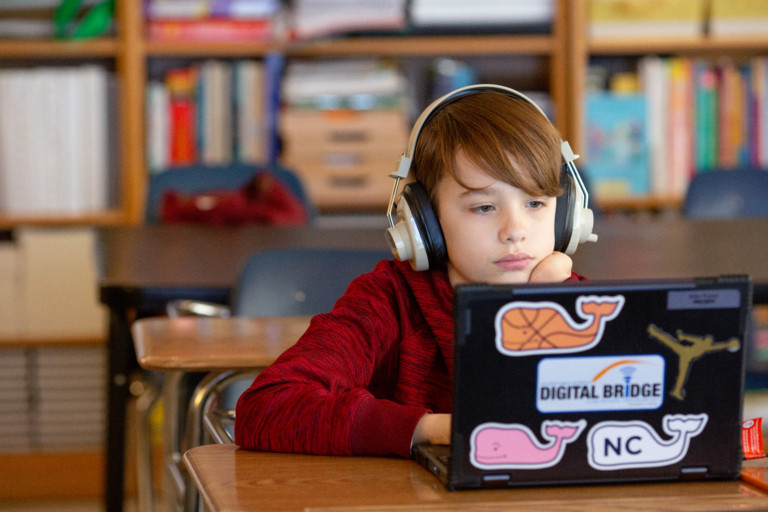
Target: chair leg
(144,405)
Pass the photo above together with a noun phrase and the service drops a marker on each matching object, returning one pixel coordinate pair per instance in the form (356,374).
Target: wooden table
(221,348)
(144,267)
(230,480)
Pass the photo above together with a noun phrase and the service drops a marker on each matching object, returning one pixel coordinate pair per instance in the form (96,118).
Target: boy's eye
(484,208)
(536,203)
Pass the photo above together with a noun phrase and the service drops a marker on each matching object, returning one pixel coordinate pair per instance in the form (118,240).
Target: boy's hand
(433,429)
(554,268)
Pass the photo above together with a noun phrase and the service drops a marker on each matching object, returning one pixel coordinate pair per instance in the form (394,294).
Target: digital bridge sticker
(600,383)
(514,446)
(616,445)
(530,328)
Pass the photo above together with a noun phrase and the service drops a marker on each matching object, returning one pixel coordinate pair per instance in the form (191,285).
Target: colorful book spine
(181,88)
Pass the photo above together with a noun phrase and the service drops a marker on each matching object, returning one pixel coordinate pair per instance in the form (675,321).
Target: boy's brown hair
(507,137)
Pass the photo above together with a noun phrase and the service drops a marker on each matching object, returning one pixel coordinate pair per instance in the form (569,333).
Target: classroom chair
(281,282)
(733,193)
(204,178)
(727,193)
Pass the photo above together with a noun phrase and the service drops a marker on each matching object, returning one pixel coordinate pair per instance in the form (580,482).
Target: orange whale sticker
(529,328)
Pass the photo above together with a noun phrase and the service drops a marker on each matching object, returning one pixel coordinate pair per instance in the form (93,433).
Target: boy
(373,376)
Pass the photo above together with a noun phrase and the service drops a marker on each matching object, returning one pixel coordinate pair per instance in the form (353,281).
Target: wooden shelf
(45,476)
(403,46)
(641,203)
(105,218)
(704,45)
(47,49)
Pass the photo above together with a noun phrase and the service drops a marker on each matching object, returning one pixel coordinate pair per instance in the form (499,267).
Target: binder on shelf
(646,18)
(738,18)
(522,16)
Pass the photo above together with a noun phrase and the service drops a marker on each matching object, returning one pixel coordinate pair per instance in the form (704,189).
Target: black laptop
(596,381)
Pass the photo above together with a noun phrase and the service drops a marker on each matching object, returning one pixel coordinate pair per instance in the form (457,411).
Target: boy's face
(494,232)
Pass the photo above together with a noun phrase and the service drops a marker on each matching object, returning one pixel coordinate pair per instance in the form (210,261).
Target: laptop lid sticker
(689,348)
(634,444)
(531,328)
(514,446)
(600,383)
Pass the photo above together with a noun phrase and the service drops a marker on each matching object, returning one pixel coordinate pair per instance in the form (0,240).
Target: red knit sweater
(361,377)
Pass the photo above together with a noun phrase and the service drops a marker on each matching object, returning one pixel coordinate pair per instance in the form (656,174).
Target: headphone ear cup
(564,212)
(427,224)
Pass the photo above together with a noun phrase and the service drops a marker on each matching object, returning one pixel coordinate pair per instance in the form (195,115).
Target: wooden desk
(143,267)
(219,347)
(671,247)
(196,344)
(230,479)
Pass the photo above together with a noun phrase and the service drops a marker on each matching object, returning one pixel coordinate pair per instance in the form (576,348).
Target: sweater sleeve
(325,395)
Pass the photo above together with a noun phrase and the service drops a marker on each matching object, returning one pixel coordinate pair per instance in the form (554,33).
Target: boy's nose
(512,230)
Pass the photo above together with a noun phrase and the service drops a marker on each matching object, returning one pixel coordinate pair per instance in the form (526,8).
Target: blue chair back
(720,194)
(202,178)
(286,282)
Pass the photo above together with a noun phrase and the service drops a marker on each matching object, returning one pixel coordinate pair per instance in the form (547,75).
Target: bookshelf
(129,52)
(567,49)
(705,46)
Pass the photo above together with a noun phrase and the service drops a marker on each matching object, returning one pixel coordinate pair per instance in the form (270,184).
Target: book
(215,112)
(182,117)
(617,144)
(653,73)
(211,30)
(506,14)
(738,18)
(199,9)
(706,119)
(158,127)
(318,18)
(250,105)
(680,165)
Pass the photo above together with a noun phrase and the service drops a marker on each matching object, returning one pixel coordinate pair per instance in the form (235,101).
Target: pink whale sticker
(514,446)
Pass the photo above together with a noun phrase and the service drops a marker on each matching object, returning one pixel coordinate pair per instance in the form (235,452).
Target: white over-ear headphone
(417,236)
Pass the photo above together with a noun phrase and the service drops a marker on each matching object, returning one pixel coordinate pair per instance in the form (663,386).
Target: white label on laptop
(600,383)
(704,299)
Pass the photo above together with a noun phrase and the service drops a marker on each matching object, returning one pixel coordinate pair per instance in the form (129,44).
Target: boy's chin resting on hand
(554,268)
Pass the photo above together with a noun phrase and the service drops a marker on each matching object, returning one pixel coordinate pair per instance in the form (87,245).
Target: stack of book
(68,397)
(52,399)
(215,112)
(318,18)
(55,135)
(15,400)
(212,20)
(484,15)
(344,123)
